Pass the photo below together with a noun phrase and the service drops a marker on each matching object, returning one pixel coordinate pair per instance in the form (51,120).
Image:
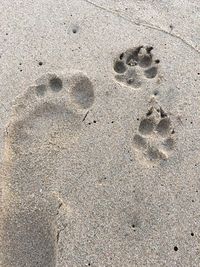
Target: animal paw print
(134,65)
(155,137)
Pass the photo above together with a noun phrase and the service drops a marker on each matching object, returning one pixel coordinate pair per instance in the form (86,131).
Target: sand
(99,133)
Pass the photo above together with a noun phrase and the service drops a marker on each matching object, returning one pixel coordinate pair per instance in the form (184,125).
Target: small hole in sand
(175,248)
(149,112)
(155,92)
(192,234)
(75,29)
(157,61)
(121,56)
(173,131)
(55,84)
(163,114)
(94,121)
(130,81)
(40,63)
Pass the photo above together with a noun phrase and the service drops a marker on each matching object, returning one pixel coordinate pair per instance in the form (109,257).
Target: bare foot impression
(45,119)
(134,65)
(155,138)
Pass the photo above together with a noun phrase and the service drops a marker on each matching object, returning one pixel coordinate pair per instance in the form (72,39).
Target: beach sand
(99,133)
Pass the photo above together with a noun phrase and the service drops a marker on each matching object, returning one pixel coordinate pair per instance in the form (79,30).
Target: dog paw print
(134,65)
(155,138)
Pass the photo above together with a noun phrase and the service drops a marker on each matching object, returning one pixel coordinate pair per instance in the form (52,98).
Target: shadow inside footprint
(82,92)
(151,72)
(130,78)
(154,153)
(169,143)
(131,56)
(41,89)
(146,126)
(28,239)
(55,84)
(119,66)
(163,127)
(139,141)
(144,58)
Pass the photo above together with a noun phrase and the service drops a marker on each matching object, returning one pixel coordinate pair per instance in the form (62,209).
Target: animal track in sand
(134,65)
(155,137)
(45,120)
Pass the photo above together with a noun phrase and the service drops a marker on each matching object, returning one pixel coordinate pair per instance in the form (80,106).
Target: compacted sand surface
(99,133)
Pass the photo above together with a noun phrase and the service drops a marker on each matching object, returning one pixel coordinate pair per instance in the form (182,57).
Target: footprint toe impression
(82,92)
(41,89)
(55,84)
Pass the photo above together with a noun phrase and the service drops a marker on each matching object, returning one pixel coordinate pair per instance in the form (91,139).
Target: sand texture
(100,133)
